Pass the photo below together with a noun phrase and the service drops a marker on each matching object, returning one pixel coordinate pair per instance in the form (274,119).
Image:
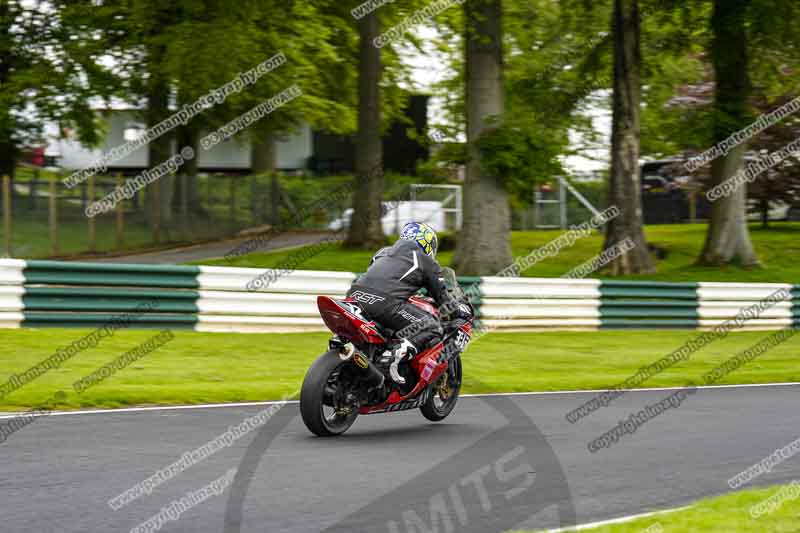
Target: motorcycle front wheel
(325,406)
(444,393)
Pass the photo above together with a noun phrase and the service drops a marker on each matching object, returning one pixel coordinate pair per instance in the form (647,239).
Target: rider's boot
(406,349)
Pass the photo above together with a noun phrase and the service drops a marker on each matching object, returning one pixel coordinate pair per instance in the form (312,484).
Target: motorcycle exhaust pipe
(369,371)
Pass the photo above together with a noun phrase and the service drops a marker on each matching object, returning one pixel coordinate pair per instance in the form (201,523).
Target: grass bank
(724,514)
(777,248)
(220,367)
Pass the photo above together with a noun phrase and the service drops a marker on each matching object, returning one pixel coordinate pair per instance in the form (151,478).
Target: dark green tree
(48,73)
(484,245)
(380,100)
(624,185)
(728,239)
(366,229)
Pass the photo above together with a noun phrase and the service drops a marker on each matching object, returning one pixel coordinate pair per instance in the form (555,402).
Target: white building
(124,124)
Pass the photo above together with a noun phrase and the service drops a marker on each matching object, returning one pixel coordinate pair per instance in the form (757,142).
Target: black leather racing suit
(396,273)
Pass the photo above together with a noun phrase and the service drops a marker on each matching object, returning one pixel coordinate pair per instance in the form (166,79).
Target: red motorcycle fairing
(346,319)
(427,367)
(424,303)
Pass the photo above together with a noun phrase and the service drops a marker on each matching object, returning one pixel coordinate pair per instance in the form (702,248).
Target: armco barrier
(60,294)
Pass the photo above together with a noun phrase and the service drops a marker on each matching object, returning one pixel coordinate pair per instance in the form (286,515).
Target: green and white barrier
(525,303)
(62,294)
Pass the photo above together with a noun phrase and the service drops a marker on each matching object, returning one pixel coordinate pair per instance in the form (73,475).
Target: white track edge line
(274,402)
(642,389)
(620,520)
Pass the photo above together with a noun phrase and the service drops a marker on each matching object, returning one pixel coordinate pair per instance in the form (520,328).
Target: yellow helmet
(423,235)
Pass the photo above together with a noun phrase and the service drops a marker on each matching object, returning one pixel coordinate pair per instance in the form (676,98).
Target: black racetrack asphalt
(496,463)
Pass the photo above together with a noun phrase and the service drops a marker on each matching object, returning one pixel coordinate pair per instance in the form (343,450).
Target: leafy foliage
(512,149)
(49,70)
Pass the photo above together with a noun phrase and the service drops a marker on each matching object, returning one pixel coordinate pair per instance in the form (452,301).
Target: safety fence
(66,294)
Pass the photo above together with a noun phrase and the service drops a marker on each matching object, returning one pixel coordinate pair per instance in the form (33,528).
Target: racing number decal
(462,339)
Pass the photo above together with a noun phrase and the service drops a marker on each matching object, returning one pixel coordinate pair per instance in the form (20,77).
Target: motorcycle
(352,378)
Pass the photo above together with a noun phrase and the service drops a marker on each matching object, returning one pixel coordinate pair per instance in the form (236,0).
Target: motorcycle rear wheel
(320,392)
(443,396)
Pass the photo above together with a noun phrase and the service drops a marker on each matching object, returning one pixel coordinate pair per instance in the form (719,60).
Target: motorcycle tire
(312,397)
(436,412)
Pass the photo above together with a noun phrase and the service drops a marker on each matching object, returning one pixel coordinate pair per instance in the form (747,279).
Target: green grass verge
(221,367)
(30,235)
(225,210)
(777,248)
(724,514)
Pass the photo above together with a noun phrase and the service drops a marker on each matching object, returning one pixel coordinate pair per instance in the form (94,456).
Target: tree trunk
(484,245)
(624,187)
(728,238)
(187,136)
(263,160)
(8,149)
(366,230)
(263,154)
(765,213)
(159,151)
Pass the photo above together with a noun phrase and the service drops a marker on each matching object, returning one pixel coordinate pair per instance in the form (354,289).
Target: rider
(396,273)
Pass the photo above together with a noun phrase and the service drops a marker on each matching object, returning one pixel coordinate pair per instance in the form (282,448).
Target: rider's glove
(463,311)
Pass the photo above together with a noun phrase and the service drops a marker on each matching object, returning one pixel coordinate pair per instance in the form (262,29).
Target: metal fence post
(53,213)
(233,200)
(562,198)
(7,213)
(274,197)
(120,241)
(92,221)
(254,218)
(156,211)
(185,205)
(32,190)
